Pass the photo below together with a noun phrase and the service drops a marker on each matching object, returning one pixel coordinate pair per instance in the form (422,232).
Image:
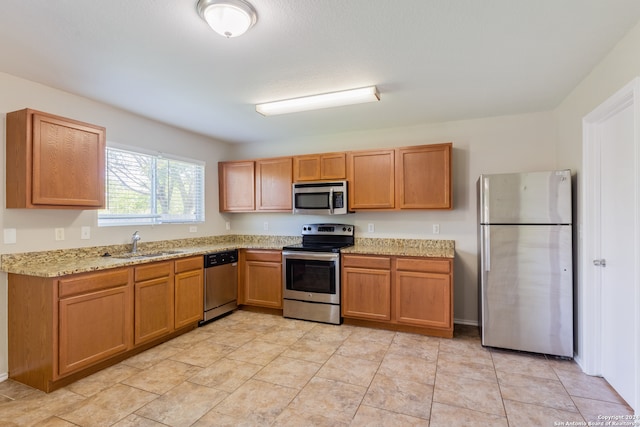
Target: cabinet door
(93,327)
(424,177)
(236,181)
(366,293)
(274,179)
(154,304)
(319,167)
(188,297)
(423,299)
(371,179)
(263,283)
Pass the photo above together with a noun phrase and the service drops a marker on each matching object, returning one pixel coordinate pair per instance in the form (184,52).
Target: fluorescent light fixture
(316,102)
(229,18)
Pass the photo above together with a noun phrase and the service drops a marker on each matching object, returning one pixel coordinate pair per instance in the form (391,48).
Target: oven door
(311,276)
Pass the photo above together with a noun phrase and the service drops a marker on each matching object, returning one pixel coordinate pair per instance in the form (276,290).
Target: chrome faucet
(134,241)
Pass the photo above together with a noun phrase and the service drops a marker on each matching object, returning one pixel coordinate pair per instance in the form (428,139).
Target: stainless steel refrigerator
(525,263)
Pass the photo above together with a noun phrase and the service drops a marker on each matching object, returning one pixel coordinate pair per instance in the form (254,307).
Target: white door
(609,289)
(616,248)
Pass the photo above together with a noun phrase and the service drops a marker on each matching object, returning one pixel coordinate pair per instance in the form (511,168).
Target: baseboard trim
(4,376)
(465,322)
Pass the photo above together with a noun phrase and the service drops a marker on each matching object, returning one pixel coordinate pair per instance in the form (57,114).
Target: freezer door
(526,288)
(526,198)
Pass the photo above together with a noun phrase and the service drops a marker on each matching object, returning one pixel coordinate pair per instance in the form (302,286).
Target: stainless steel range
(311,273)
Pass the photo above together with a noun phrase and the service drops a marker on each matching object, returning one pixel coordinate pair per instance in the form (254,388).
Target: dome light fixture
(229,18)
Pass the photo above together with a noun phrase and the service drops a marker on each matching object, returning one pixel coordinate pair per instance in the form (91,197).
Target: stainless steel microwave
(320,198)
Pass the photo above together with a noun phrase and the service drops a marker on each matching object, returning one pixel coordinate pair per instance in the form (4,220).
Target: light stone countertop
(63,262)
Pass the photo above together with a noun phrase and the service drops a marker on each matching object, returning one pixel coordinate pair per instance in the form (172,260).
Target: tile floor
(251,369)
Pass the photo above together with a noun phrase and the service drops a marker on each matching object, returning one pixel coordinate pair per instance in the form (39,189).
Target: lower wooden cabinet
(153,301)
(189,288)
(405,293)
(261,278)
(64,328)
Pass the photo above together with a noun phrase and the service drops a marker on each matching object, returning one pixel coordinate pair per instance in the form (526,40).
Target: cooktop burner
(324,238)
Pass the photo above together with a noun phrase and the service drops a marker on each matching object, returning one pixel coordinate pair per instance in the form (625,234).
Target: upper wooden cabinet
(423,178)
(371,179)
(319,167)
(417,177)
(53,162)
(274,184)
(260,185)
(236,181)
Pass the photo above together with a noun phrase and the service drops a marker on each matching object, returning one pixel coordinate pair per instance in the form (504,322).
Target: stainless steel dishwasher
(220,284)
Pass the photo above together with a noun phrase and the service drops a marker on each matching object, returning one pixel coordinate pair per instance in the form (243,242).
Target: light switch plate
(193,229)
(371,228)
(9,236)
(85,232)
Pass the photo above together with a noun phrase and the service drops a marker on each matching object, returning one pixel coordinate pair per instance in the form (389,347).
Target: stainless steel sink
(141,255)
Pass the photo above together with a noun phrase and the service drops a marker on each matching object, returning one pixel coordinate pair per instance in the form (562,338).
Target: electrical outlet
(193,229)
(266,226)
(59,233)
(436,228)
(85,232)
(371,228)
(227,225)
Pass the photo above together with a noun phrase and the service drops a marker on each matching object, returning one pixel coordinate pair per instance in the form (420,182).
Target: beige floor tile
(109,406)
(257,351)
(367,416)
(218,419)
(415,345)
(203,354)
(233,338)
(329,398)
(527,415)
(38,407)
(226,374)
(15,390)
(582,385)
(594,410)
(400,396)
(55,422)
(349,370)
(190,339)
(468,393)
(537,391)
(288,372)
(182,405)
(447,415)
(523,363)
(257,401)
(283,336)
(152,356)
(162,377)
(103,379)
(329,333)
(311,350)
(134,420)
(381,336)
(410,368)
(463,366)
(467,350)
(363,349)
(291,418)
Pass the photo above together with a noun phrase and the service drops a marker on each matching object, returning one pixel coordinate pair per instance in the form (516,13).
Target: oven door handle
(320,256)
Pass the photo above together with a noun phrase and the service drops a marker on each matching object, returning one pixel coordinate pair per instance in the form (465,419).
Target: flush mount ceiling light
(229,18)
(316,102)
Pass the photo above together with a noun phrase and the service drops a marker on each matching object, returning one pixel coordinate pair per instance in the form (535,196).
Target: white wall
(493,145)
(617,69)
(35,228)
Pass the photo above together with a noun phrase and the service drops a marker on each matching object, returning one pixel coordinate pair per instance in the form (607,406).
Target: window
(151,189)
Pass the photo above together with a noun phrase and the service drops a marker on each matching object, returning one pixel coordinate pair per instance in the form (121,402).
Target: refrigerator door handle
(487,249)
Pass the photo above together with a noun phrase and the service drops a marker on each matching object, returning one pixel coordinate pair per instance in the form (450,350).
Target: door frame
(590,284)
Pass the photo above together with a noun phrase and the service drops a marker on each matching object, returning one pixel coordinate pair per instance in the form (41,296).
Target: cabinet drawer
(263,255)
(366,261)
(86,283)
(152,271)
(425,265)
(188,264)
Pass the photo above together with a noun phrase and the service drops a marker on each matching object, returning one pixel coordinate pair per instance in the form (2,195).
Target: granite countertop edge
(63,262)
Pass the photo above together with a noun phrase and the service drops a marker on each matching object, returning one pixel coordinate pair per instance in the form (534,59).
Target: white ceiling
(432,60)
